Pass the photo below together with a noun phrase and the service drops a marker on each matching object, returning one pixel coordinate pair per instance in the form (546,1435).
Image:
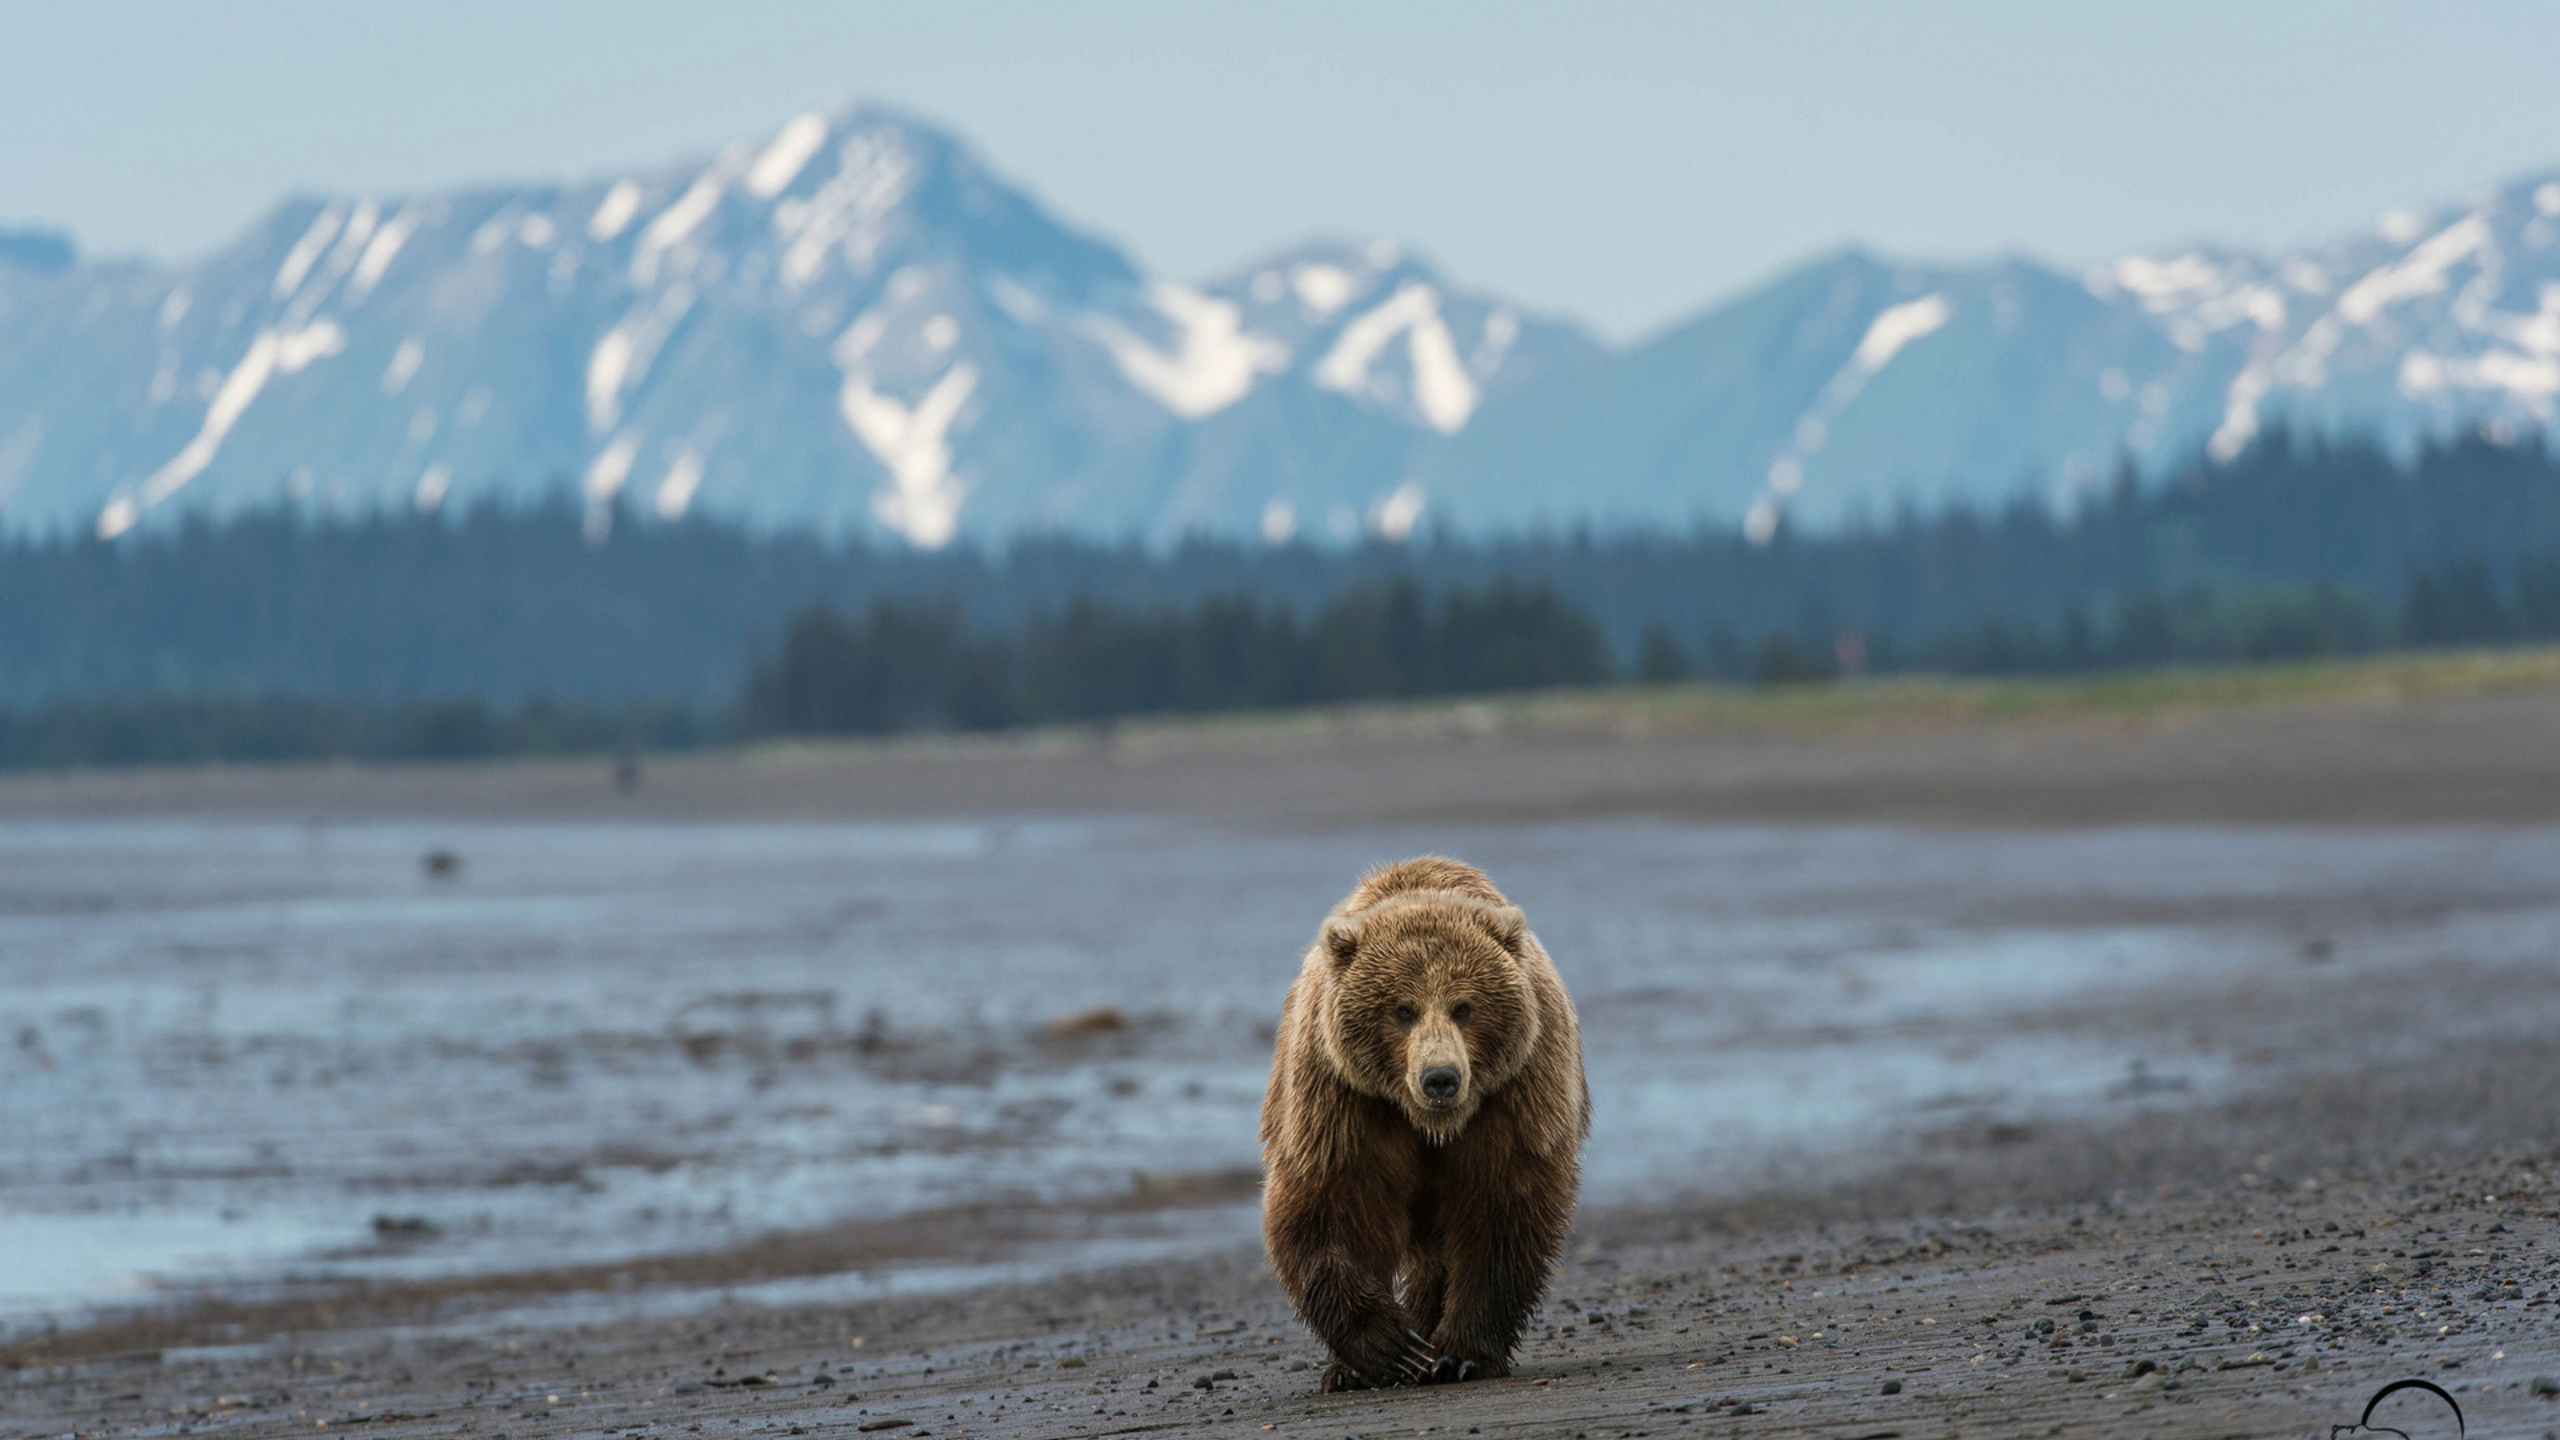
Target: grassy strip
(1886,705)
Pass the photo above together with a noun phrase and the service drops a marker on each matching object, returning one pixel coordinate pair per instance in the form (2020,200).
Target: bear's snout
(1436,1069)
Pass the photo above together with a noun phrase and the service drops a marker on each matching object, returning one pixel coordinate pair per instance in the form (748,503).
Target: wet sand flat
(2406,1104)
(2260,1269)
(255,1061)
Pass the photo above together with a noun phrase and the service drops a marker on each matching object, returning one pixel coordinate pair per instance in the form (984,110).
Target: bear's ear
(1341,939)
(1510,927)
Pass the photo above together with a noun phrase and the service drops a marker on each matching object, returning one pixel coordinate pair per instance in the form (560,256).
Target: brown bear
(1422,1135)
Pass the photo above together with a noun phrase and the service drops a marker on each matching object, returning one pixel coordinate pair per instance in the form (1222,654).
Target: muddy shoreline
(2359,759)
(2259,1268)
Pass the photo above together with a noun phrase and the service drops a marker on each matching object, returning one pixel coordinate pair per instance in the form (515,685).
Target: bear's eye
(1405,1015)
(1460,1011)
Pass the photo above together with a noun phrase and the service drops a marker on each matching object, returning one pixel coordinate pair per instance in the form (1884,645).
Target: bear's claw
(1418,1362)
(1414,1364)
(1450,1370)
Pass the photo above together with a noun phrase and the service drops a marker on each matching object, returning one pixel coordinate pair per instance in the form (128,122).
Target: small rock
(1299,1365)
(1072,1362)
(1100,1020)
(442,864)
(1892,1387)
(2546,1387)
(2139,1367)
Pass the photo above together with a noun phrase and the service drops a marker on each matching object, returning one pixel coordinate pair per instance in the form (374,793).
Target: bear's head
(1429,1006)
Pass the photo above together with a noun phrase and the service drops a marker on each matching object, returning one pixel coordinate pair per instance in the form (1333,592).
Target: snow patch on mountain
(272,353)
(1321,288)
(615,212)
(922,499)
(623,354)
(676,488)
(1896,327)
(433,482)
(2420,272)
(1442,389)
(1213,360)
(1892,329)
(1397,512)
(306,251)
(672,226)
(786,155)
(379,251)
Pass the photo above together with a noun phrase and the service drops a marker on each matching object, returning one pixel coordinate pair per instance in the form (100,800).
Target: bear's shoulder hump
(1422,872)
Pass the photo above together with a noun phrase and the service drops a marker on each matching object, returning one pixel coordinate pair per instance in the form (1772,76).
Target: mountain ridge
(852,324)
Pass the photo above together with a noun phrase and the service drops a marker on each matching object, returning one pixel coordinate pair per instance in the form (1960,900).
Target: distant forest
(2295,548)
(901,665)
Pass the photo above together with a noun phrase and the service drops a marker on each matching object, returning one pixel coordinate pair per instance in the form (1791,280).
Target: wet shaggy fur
(1423,1132)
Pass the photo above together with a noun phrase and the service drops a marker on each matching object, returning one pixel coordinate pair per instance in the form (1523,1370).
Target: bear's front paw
(1408,1361)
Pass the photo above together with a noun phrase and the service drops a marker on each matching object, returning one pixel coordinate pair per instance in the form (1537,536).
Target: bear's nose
(1440,1082)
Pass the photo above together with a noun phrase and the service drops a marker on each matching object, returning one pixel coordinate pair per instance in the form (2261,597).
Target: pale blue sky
(1623,163)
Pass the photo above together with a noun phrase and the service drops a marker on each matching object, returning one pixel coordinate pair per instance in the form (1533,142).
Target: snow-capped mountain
(1855,383)
(852,325)
(848,325)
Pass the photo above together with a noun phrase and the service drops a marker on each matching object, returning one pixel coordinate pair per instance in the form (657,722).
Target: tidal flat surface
(237,1055)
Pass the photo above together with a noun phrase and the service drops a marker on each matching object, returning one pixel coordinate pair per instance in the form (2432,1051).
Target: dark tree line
(904,665)
(2461,603)
(2295,548)
(901,665)
(194,729)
